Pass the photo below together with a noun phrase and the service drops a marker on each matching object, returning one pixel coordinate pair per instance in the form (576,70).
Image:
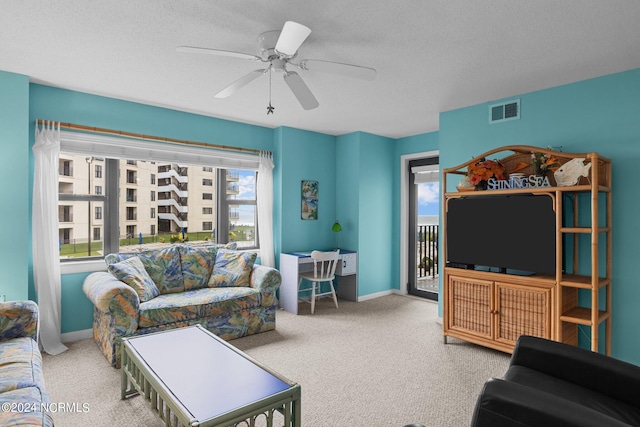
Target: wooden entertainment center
(493,308)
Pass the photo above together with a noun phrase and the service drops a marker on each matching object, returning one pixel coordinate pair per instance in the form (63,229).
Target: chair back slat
(325,263)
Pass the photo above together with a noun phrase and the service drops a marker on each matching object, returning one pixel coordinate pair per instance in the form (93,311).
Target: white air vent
(504,111)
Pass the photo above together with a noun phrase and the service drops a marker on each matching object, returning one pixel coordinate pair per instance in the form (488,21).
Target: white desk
(294,263)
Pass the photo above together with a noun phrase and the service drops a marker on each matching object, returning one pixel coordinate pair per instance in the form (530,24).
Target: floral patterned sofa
(23,396)
(181,285)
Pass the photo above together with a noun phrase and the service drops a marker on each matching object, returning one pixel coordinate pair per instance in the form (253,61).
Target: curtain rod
(150,137)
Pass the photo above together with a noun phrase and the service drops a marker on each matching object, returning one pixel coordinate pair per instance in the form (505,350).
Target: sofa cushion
(197,263)
(20,364)
(196,304)
(575,393)
(30,397)
(163,266)
(232,268)
(132,272)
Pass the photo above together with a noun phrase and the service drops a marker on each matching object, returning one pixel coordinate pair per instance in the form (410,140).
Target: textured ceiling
(431,56)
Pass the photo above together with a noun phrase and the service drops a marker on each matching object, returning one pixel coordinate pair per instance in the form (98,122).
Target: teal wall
(348,189)
(364,192)
(599,115)
(302,156)
(14,208)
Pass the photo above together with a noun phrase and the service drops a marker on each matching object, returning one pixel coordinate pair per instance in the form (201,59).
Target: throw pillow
(132,272)
(232,268)
(197,263)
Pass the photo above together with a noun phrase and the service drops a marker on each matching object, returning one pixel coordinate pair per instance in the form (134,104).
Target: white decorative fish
(569,173)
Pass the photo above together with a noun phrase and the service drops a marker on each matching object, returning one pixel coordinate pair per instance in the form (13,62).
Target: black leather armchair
(551,384)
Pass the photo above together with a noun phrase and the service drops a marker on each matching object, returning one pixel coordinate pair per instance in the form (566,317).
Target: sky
(247,190)
(428,198)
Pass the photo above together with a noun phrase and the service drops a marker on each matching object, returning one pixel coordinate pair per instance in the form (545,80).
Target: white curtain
(264,189)
(46,266)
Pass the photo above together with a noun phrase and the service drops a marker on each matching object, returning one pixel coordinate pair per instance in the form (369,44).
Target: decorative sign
(532,181)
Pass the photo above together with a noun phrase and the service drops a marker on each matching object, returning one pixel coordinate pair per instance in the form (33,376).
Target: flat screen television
(502,233)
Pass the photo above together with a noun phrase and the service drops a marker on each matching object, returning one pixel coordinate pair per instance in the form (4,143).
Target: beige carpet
(380,362)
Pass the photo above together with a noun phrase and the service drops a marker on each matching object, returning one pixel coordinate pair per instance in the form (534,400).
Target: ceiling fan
(279,49)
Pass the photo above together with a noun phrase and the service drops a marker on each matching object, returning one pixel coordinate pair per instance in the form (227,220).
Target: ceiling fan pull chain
(270,108)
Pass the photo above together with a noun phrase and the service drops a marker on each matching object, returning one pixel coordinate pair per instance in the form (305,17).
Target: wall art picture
(309,200)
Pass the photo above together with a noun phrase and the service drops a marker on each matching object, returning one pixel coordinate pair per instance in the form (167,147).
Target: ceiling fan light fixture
(291,38)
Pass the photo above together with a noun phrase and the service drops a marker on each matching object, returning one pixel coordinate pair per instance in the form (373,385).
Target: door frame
(405,179)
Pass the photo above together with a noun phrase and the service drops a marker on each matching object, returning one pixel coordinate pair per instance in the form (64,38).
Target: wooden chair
(324,269)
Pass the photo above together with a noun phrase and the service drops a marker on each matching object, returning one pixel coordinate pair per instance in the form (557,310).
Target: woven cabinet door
(522,310)
(470,306)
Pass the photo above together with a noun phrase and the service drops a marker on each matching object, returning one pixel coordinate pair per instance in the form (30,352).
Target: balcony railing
(427,250)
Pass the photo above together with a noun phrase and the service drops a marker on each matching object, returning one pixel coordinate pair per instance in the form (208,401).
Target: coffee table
(194,378)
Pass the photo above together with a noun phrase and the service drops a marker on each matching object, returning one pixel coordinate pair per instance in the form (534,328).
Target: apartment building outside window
(183,198)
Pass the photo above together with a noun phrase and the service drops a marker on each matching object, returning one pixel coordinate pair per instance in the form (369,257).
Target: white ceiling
(431,55)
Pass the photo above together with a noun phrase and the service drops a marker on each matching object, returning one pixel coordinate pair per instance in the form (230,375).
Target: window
(82,212)
(171,200)
(131,162)
(237,210)
(131,214)
(65,168)
(65,214)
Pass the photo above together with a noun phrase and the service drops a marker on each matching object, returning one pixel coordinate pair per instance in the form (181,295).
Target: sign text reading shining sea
(533,181)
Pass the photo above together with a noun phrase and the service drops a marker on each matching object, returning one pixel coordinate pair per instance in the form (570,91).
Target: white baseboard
(377,295)
(77,335)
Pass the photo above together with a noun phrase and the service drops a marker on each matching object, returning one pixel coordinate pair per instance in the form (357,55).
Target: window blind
(158,151)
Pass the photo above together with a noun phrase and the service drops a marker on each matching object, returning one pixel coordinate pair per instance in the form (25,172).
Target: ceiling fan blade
(239,84)
(190,49)
(347,70)
(291,38)
(301,91)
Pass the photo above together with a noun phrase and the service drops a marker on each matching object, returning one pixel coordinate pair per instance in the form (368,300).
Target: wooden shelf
(529,190)
(582,316)
(584,230)
(582,282)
